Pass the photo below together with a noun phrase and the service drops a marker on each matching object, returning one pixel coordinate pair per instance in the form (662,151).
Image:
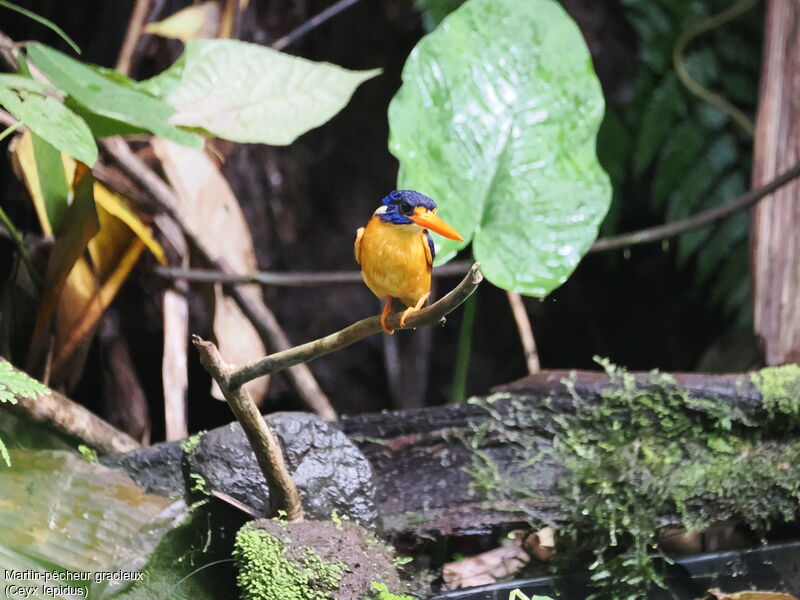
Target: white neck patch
(381,210)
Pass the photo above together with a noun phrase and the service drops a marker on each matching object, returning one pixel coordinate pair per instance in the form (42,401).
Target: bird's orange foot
(387,308)
(412,309)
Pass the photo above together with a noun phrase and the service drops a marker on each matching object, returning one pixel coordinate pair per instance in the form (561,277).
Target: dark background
(646,308)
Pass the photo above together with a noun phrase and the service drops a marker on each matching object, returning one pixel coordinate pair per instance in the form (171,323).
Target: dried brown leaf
(213,213)
(487,567)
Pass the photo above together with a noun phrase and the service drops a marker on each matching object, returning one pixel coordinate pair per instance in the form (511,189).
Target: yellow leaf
(80,225)
(116,206)
(196,21)
(213,212)
(99,301)
(41,186)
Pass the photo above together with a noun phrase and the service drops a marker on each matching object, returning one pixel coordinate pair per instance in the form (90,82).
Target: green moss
(199,483)
(383,593)
(88,454)
(780,390)
(266,573)
(189,445)
(645,456)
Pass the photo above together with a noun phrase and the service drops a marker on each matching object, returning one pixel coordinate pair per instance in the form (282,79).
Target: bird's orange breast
(394,260)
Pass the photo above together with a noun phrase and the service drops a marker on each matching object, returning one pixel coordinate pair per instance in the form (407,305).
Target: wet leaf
(60,512)
(108,99)
(248,93)
(496,120)
(47,117)
(193,22)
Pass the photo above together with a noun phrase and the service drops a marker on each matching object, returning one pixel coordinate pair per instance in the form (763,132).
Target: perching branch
(357,331)
(132,34)
(283,495)
(282,489)
(259,314)
(668,230)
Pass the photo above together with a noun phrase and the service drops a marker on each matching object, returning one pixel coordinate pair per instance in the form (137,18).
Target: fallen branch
(431,315)
(75,420)
(259,314)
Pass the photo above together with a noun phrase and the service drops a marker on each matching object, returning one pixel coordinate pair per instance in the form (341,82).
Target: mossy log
(490,463)
(432,464)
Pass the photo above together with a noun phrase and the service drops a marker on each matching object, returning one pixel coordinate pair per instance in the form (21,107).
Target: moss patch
(644,456)
(189,444)
(312,560)
(780,391)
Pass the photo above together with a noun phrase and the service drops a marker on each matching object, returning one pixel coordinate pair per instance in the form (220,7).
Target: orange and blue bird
(395,250)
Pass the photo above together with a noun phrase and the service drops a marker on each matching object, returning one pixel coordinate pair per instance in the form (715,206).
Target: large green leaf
(59,513)
(47,117)
(496,120)
(107,98)
(248,93)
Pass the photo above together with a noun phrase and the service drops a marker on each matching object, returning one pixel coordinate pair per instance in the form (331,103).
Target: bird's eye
(406,208)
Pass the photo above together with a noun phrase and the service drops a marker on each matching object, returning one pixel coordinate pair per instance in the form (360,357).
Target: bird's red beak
(428,219)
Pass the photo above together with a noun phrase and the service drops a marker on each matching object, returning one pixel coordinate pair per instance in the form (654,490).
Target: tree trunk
(775,240)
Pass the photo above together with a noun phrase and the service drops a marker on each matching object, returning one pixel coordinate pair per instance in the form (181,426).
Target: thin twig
(690,83)
(662,232)
(283,493)
(132,35)
(643,236)
(314,22)
(259,314)
(431,315)
(292,279)
(525,332)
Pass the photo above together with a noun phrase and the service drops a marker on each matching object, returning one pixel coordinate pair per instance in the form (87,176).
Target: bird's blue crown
(400,204)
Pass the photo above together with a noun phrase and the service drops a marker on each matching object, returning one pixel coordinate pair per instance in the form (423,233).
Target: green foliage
(518,595)
(502,135)
(190,444)
(199,484)
(687,155)
(780,391)
(47,117)
(248,93)
(88,454)
(16,383)
(185,565)
(266,573)
(105,102)
(385,594)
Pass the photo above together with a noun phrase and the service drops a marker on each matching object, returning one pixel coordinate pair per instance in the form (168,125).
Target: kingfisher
(395,250)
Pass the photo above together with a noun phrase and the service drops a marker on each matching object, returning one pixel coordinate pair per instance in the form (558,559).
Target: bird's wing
(430,250)
(357,244)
